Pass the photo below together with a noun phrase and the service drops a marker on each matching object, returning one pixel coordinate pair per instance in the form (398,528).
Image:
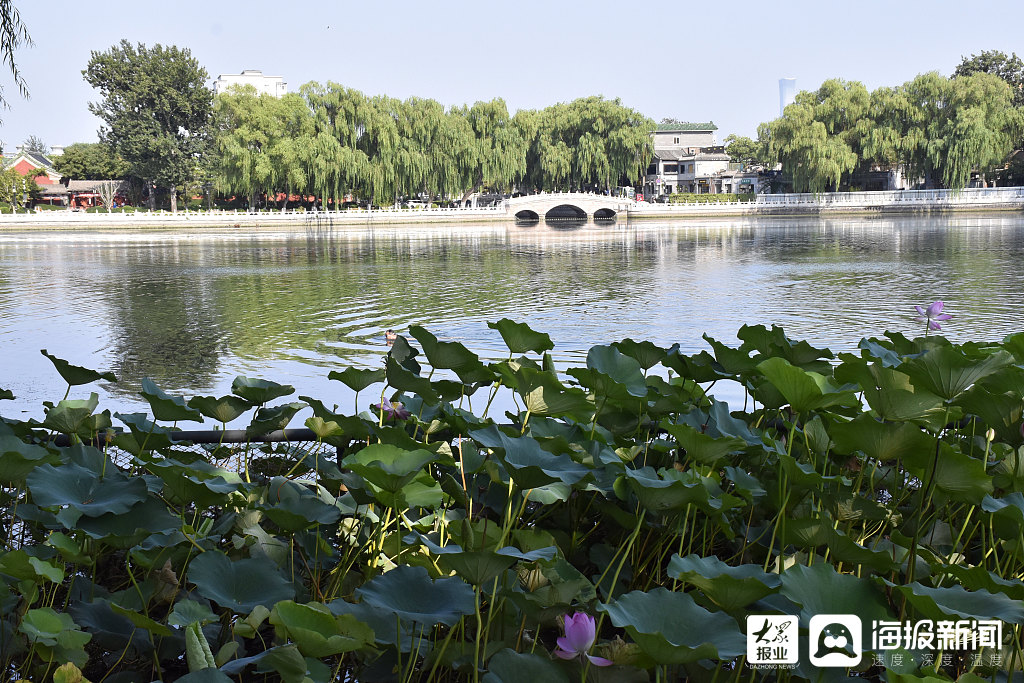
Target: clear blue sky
(694,62)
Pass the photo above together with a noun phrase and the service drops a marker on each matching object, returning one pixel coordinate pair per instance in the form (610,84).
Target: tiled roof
(673,127)
(84,186)
(39,160)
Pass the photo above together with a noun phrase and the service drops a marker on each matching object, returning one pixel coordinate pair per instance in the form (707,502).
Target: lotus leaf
(451,356)
(820,589)
(701,447)
(774,342)
(402,379)
(388,467)
(804,390)
(316,631)
(286,660)
(404,355)
(673,629)
(80,488)
(509,666)
(519,338)
(646,353)
(620,368)
(956,601)
(729,587)
(239,585)
(948,372)
(223,409)
(166,407)
(732,361)
(272,419)
(357,379)
(478,566)
(881,440)
(292,506)
(259,392)
(45,626)
(672,490)
(186,612)
(529,465)
(20,565)
(410,593)
(75,375)
(18,459)
(71,416)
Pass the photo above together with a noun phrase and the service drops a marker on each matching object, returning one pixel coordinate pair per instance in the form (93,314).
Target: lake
(192,310)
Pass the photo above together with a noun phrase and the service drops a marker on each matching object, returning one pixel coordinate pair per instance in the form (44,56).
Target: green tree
(499,148)
(586,143)
(90,161)
(156,111)
(979,130)
(1010,69)
(817,139)
(250,134)
(14,188)
(744,150)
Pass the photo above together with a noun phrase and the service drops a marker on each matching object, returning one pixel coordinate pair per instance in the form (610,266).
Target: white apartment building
(271,85)
(687,159)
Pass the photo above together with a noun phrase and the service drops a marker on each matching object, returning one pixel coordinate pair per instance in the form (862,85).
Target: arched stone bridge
(580,205)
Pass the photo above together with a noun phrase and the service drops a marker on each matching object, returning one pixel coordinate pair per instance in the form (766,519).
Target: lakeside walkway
(829,203)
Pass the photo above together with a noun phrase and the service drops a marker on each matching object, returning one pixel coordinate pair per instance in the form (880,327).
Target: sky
(690,61)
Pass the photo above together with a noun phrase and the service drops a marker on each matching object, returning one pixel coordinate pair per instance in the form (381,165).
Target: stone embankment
(538,206)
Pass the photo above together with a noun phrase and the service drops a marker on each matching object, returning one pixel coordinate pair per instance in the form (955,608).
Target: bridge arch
(527,215)
(566,212)
(604,214)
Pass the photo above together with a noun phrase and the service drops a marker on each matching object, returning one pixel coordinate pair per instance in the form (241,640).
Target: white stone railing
(289,215)
(975,195)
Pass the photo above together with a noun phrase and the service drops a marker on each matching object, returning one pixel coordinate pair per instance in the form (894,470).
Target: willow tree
(289,150)
(13,35)
(928,96)
(498,149)
(245,125)
(817,139)
(335,166)
(587,142)
(889,132)
(980,128)
(814,159)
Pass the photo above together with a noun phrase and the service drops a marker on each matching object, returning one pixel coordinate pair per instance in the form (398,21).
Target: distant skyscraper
(787,93)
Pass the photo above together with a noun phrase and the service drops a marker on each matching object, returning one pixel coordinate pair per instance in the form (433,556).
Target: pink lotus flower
(392,411)
(580,633)
(932,315)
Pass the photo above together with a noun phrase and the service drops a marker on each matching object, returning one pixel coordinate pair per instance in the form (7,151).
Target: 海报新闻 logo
(835,640)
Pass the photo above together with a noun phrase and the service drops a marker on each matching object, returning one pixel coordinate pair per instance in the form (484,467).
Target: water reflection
(192,310)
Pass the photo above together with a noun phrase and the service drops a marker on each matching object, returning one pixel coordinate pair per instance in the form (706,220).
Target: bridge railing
(978,195)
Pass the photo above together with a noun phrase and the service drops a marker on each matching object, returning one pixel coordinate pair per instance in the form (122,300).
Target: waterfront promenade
(545,205)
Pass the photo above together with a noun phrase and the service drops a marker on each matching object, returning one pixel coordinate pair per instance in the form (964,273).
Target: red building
(26,163)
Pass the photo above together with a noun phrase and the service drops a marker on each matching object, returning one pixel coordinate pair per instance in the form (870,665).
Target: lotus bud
(468,537)
(532,579)
(990,435)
